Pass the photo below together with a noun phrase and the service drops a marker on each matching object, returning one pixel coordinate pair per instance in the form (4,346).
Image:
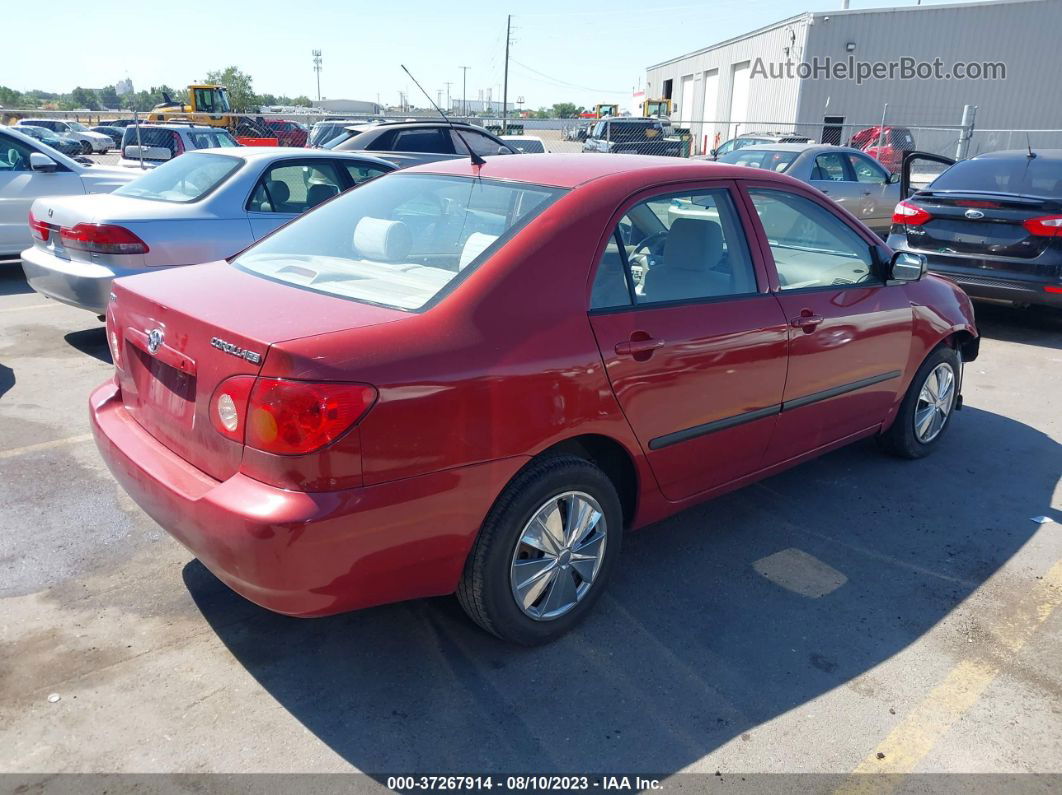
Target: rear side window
(398,241)
(431,141)
(363,172)
(829,168)
(811,246)
(182,180)
(294,187)
(1036,176)
(481,144)
(676,247)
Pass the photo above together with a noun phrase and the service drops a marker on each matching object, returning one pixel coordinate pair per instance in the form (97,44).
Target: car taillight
(1045,226)
(103,239)
(909,214)
(228,406)
(1048,288)
(39,229)
(297,417)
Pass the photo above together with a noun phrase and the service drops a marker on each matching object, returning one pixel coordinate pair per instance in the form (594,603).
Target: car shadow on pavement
(91,341)
(1037,325)
(12,279)
(718,620)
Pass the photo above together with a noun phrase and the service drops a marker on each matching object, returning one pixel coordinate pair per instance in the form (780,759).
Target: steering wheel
(650,243)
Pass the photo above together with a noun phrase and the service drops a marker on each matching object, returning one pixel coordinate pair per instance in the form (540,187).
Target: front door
(849,333)
(694,345)
(19,186)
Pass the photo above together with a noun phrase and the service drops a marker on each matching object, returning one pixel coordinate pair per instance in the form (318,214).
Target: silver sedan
(202,206)
(854,180)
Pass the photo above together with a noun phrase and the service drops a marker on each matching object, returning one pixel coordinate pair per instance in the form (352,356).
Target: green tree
(239,84)
(108,97)
(302,101)
(10,98)
(84,98)
(566,110)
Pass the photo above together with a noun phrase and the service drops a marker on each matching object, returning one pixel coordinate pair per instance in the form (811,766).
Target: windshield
(1022,175)
(76,125)
(184,179)
(771,159)
(399,240)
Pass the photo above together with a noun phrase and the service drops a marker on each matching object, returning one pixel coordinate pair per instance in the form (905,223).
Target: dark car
(61,143)
(288,133)
(993,224)
(632,137)
(114,132)
(408,143)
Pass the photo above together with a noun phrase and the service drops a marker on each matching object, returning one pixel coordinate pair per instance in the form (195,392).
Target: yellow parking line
(32,448)
(927,723)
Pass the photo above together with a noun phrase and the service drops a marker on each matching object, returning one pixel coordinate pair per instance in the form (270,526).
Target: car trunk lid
(181,333)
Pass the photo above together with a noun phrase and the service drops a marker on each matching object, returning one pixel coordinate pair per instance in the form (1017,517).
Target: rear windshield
(1024,176)
(183,179)
(212,139)
(400,240)
(770,159)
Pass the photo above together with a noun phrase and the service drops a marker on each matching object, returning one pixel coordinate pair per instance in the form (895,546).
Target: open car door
(919,169)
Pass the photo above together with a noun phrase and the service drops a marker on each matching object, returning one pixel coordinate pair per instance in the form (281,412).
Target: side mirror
(893,179)
(907,267)
(41,162)
(714,152)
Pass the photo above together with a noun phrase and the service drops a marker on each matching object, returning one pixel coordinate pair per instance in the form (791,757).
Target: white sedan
(30,169)
(91,142)
(202,206)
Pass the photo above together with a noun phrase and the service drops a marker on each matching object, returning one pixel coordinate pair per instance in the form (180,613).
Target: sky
(562,50)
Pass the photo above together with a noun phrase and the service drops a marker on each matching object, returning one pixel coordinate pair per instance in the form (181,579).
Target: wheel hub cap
(558,555)
(934,403)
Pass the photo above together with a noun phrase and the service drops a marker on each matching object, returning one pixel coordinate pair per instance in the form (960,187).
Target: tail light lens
(228,406)
(1052,289)
(297,417)
(103,239)
(39,229)
(909,214)
(1045,226)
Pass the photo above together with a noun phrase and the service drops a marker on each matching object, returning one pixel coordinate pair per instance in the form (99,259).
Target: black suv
(409,143)
(632,136)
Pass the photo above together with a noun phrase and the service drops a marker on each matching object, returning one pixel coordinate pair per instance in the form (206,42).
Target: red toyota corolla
(474,380)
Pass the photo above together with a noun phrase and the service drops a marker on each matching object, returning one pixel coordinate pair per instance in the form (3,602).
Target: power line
(566,84)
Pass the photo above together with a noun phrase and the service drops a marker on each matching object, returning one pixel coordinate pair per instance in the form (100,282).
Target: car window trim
(761,274)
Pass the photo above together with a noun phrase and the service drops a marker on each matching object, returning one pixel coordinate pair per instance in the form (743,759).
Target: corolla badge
(155,337)
(973,215)
(236,350)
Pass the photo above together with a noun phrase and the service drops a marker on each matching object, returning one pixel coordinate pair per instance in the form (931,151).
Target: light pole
(317,68)
(448,84)
(464,90)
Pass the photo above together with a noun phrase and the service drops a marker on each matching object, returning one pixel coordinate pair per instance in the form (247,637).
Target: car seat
(692,247)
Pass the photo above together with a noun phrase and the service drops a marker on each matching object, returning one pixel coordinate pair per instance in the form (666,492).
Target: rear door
(832,174)
(849,333)
(694,345)
(288,188)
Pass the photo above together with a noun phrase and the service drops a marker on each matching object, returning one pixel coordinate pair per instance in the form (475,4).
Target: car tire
(927,408)
(86,148)
(509,542)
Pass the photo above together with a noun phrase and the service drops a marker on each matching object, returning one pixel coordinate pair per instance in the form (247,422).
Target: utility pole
(505,89)
(317,68)
(464,90)
(448,84)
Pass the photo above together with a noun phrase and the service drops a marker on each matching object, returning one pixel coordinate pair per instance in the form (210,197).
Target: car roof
(795,148)
(1013,154)
(570,170)
(251,153)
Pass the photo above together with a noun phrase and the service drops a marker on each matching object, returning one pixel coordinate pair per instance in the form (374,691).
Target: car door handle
(806,322)
(637,347)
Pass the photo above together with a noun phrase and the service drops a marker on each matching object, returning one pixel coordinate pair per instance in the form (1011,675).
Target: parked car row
(91,142)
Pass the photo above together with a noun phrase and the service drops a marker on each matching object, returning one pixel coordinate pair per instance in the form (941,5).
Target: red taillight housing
(228,406)
(103,239)
(909,214)
(39,229)
(1045,226)
(298,417)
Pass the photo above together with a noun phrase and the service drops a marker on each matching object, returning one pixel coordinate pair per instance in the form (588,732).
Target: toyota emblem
(155,337)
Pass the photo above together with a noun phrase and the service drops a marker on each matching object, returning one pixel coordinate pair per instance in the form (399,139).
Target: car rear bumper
(299,553)
(998,284)
(86,285)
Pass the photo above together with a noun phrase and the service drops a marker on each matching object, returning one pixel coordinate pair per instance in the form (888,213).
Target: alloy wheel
(558,555)
(934,404)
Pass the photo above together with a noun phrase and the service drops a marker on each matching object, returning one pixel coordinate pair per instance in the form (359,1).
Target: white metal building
(745,79)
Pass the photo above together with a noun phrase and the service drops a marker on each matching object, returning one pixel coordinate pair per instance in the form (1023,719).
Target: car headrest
(278,192)
(477,243)
(319,193)
(693,244)
(382,240)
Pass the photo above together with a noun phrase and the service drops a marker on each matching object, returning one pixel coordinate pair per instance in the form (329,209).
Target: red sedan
(288,133)
(474,379)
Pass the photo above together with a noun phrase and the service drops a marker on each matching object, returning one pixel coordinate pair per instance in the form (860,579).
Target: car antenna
(477,161)
(1028,145)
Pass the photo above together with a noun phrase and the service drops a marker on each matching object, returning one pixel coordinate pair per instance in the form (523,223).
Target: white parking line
(32,448)
(31,306)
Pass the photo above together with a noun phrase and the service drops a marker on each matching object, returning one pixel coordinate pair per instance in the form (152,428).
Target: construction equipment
(208,103)
(656,107)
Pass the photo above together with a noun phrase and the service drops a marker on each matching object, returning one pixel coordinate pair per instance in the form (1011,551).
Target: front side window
(14,155)
(866,170)
(676,247)
(399,241)
(811,246)
(294,187)
(829,168)
(184,179)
